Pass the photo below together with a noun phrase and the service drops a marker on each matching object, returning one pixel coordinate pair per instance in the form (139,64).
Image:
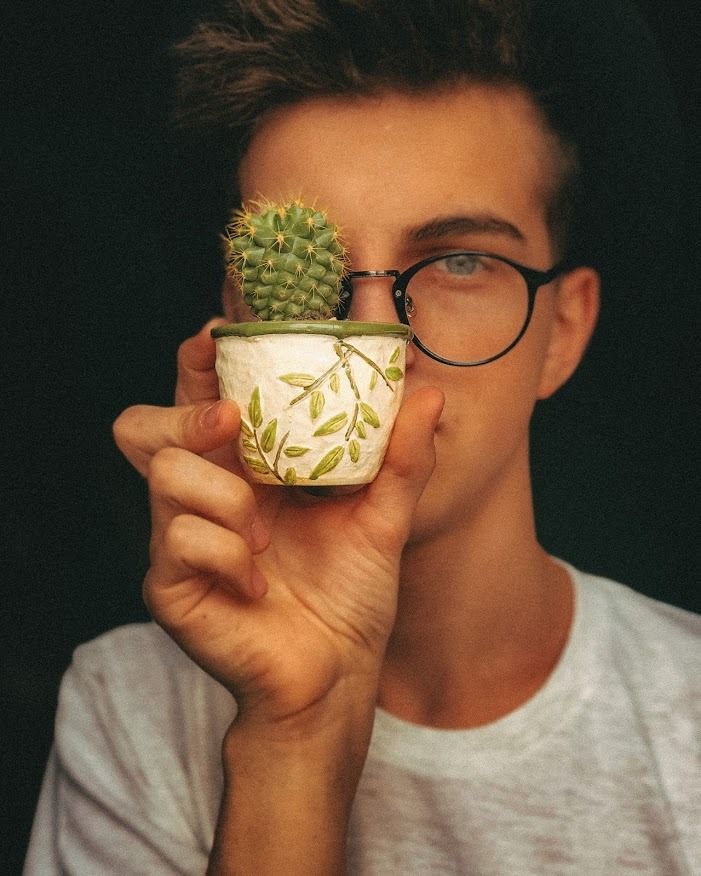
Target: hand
(204,424)
(285,598)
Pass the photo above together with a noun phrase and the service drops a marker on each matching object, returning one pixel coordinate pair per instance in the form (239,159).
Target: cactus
(288,260)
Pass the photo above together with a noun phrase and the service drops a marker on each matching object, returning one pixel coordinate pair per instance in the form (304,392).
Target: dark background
(113,259)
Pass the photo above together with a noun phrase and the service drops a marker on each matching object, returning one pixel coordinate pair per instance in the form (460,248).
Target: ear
(575,305)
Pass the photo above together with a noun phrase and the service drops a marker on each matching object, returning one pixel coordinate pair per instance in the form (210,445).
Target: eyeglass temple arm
(536,279)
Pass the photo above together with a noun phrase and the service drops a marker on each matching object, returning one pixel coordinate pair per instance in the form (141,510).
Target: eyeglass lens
(467,307)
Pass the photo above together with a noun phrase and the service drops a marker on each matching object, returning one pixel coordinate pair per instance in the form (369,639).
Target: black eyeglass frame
(534,279)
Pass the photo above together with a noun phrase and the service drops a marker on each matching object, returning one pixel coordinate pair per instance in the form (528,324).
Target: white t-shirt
(598,773)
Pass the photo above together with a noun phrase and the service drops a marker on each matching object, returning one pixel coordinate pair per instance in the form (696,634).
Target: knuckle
(162,467)
(151,594)
(236,490)
(235,502)
(190,424)
(185,428)
(178,535)
(246,499)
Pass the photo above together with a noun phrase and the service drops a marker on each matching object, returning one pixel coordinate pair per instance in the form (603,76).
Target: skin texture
(309,641)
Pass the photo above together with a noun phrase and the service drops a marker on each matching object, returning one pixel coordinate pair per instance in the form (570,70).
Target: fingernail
(210,416)
(259,535)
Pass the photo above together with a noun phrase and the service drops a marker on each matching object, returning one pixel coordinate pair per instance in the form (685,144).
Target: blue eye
(462,264)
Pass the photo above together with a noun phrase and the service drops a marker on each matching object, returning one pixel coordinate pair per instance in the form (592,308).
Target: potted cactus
(318,395)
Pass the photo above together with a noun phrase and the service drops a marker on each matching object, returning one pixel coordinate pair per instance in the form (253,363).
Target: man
(399,680)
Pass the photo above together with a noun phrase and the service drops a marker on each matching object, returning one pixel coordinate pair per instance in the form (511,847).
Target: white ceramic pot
(318,399)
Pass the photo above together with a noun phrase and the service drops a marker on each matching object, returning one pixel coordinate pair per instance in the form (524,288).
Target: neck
(483,617)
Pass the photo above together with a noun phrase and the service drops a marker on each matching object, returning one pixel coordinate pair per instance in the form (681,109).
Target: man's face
(387,166)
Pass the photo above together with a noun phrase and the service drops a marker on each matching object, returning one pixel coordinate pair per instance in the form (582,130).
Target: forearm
(287,799)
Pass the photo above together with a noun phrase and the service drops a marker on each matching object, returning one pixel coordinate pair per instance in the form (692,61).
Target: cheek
(482,439)
(482,442)
(493,403)
(489,411)
(488,408)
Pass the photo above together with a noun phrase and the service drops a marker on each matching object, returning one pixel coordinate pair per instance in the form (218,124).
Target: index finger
(197,379)
(142,430)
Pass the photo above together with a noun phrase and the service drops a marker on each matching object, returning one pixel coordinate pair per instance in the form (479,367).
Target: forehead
(396,158)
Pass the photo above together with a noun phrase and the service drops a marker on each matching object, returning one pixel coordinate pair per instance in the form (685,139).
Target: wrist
(288,793)
(322,733)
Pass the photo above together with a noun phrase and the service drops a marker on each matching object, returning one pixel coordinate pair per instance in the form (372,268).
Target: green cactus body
(288,259)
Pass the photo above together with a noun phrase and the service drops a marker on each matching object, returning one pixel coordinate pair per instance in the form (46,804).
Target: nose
(371,299)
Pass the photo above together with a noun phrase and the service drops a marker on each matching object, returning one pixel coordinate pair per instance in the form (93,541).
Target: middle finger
(180,480)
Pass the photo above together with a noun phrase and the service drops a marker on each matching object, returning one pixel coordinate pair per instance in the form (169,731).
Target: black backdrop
(112,259)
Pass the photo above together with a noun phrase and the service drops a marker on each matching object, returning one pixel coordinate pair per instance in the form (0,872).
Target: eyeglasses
(465,308)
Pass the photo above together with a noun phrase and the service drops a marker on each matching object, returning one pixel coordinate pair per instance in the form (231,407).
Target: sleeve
(117,796)
(41,856)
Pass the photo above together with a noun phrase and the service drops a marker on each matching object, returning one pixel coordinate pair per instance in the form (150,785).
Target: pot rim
(334,328)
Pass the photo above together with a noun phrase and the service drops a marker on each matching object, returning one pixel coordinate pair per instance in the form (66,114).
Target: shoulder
(649,648)
(134,707)
(140,653)
(134,778)
(644,623)
(138,675)
(645,704)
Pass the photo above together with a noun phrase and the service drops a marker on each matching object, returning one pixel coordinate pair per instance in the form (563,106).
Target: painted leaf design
(369,415)
(303,380)
(256,464)
(361,430)
(254,412)
(267,440)
(353,421)
(394,373)
(248,444)
(290,477)
(333,425)
(295,451)
(316,404)
(395,355)
(354,450)
(373,380)
(246,429)
(335,382)
(327,463)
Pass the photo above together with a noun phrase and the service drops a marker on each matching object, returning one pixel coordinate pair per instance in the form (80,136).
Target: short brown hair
(258,55)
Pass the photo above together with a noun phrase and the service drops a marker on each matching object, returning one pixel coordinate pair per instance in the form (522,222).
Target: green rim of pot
(335,328)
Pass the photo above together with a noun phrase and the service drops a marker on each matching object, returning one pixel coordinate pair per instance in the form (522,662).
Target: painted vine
(266,454)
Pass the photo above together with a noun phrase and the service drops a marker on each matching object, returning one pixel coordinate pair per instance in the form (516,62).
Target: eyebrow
(481,223)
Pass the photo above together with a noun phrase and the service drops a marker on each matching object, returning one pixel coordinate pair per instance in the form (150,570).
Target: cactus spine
(288,260)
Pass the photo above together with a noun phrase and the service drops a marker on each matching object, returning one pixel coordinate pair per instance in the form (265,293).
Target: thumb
(409,460)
